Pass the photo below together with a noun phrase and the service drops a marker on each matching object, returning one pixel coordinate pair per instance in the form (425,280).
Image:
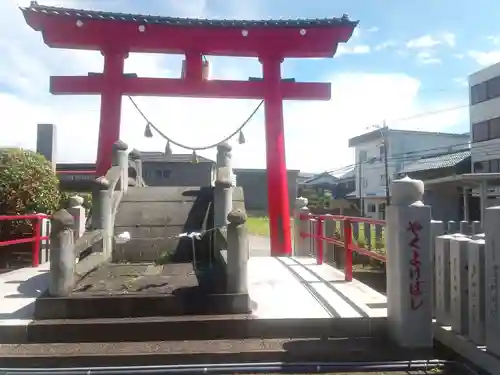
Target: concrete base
(291,289)
(297,287)
(478,355)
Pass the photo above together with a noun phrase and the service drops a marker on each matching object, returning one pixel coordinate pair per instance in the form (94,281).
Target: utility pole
(360,180)
(386,166)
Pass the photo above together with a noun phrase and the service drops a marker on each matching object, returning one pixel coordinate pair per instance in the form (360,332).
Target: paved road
(259,246)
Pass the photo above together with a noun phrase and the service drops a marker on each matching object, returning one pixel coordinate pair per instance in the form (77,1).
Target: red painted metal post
(277,175)
(319,241)
(37,228)
(348,249)
(111,107)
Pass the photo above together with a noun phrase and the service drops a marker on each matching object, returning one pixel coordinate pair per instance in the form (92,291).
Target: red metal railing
(350,246)
(36,237)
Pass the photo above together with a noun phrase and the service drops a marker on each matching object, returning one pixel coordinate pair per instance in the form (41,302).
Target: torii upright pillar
(277,176)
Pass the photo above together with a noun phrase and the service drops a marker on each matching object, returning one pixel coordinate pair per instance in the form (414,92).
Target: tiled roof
(437,162)
(174,21)
(156,156)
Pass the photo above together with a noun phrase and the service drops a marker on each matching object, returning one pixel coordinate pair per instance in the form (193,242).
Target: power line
(495,151)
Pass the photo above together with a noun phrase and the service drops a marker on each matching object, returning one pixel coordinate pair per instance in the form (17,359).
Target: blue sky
(405,59)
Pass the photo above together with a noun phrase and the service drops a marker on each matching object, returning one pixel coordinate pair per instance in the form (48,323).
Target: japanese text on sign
(417,301)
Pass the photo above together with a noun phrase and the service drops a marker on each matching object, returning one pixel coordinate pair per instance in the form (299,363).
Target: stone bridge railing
(74,251)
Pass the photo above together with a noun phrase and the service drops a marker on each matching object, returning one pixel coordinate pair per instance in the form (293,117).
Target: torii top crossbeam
(115,35)
(140,33)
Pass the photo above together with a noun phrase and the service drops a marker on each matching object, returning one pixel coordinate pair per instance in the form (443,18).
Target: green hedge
(27,185)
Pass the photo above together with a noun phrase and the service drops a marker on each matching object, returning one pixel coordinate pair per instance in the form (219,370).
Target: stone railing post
(299,243)
(77,210)
(492,279)
(437,229)
(62,255)
(459,285)
(476,227)
(223,191)
(409,273)
(237,252)
(477,328)
(120,158)
(135,156)
(102,217)
(442,280)
(328,232)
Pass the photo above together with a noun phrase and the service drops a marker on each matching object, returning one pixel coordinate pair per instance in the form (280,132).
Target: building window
(486,130)
(478,93)
(480,131)
(487,166)
(493,88)
(486,90)
(371,208)
(494,128)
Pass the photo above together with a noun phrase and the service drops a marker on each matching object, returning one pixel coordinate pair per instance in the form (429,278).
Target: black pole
(360,180)
(386,167)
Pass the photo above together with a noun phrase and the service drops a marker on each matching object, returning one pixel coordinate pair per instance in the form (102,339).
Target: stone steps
(139,305)
(204,327)
(202,352)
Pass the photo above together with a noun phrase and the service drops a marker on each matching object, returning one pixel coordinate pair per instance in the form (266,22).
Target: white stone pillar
(409,267)
(492,279)
(442,280)
(459,285)
(299,243)
(437,229)
(223,191)
(77,210)
(328,232)
(476,292)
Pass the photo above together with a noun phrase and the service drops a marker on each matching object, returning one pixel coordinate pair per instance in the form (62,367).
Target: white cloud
(484,58)
(426,57)
(344,49)
(385,45)
(316,132)
(429,41)
(373,29)
(425,41)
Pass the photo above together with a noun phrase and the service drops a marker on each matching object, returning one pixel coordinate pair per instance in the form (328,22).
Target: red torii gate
(115,35)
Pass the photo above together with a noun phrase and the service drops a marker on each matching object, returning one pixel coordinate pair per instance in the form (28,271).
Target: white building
(484,109)
(404,147)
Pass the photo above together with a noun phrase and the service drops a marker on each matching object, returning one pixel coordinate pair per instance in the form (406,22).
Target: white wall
(405,148)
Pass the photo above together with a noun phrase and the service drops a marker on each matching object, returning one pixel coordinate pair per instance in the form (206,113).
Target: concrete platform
(297,287)
(287,289)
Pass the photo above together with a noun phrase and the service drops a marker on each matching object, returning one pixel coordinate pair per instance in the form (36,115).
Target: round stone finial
(62,219)
(102,182)
(301,202)
(134,154)
(237,217)
(406,191)
(120,145)
(76,201)
(224,147)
